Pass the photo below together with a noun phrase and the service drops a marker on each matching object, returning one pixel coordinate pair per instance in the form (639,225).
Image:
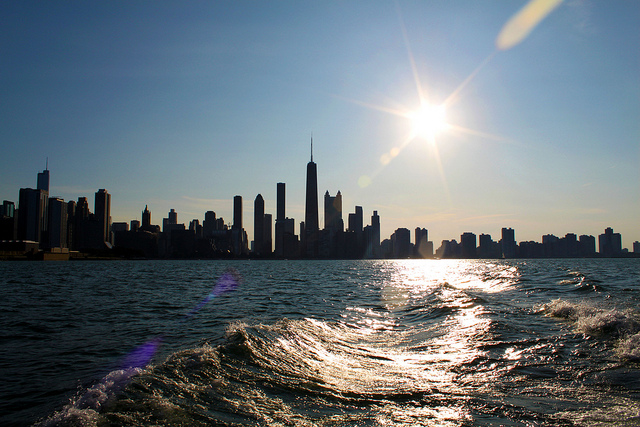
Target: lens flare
(522,23)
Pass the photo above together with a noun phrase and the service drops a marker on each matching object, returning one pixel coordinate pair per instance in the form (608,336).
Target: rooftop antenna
(311,146)
(47,164)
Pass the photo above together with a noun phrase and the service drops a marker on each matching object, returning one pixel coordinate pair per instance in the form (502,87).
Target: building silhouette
(401,243)
(238,235)
(102,207)
(287,244)
(32,214)
(43,179)
(8,221)
(508,243)
(586,246)
(372,237)
(423,247)
(58,223)
(468,245)
(280,202)
(237,212)
(610,243)
(146,218)
(258,226)
(268,235)
(310,238)
(333,212)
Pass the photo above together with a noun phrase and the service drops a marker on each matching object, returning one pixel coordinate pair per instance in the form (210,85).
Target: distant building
(280,212)
(508,243)
(468,245)
(43,180)
(80,223)
(57,227)
(117,227)
(239,243)
(8,221)
(237,213)
(610,243)
(32,214)
(636,247)
(210,224)
(373,242)
(401,240)
(586,246)
(488,248)
(268,235)
(448,249)
(103,217)
(531,250)
(333,212)
(146,218)
(258,226)
(423,247)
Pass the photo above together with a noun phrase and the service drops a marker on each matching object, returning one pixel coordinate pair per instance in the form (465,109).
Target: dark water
(329,343)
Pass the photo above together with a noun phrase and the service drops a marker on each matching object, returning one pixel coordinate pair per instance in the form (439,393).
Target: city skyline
(42,219)
(187,113)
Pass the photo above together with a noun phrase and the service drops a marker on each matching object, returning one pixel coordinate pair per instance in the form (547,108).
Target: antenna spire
(312,146)
(47,164)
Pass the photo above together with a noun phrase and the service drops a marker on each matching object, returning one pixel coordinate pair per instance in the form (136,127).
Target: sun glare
(428,121)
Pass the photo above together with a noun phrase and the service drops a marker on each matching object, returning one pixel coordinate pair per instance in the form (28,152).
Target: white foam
(83,410)
(629,348)
(623,325)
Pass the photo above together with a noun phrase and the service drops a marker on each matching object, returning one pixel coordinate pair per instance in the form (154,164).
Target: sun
(428,121)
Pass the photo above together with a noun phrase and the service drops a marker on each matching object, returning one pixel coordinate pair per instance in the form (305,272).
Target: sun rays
(429,120)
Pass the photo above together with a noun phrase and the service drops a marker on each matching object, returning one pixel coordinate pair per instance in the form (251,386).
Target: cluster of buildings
(50,228)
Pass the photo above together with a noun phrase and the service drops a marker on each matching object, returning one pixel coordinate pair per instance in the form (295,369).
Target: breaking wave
(622,326)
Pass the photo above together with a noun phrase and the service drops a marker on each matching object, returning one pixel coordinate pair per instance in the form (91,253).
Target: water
(329,343)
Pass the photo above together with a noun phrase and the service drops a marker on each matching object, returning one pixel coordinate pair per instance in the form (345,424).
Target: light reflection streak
(452,343)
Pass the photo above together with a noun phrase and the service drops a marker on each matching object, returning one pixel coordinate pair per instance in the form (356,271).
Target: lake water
(321,343)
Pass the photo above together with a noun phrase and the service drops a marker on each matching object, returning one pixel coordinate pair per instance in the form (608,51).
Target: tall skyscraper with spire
(311,210)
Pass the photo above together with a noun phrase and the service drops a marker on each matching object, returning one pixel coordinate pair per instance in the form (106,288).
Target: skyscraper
(57,223)
(43,179)
(33,210)
(468,245)
(422,247)
(146,218)
(508,243)
(311,210)
(333,212)
(268,238)
(102,214)
(258,225)
(280,212)
(32,214)
(609,243)
(209,225)
(237,212)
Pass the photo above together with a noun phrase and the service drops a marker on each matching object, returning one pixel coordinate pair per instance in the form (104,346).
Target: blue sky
(185,104)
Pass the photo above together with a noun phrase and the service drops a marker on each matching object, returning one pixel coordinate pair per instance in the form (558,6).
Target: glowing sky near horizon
(184,105)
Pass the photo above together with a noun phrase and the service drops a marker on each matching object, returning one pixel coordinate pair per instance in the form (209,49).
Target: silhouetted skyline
(50,224)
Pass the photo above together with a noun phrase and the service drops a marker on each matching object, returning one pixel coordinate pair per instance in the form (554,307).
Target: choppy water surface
(329,343)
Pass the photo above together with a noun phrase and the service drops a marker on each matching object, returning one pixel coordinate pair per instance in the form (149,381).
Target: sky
(183,105)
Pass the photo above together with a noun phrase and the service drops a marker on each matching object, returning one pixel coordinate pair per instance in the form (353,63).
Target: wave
(623,326)
(292,372)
